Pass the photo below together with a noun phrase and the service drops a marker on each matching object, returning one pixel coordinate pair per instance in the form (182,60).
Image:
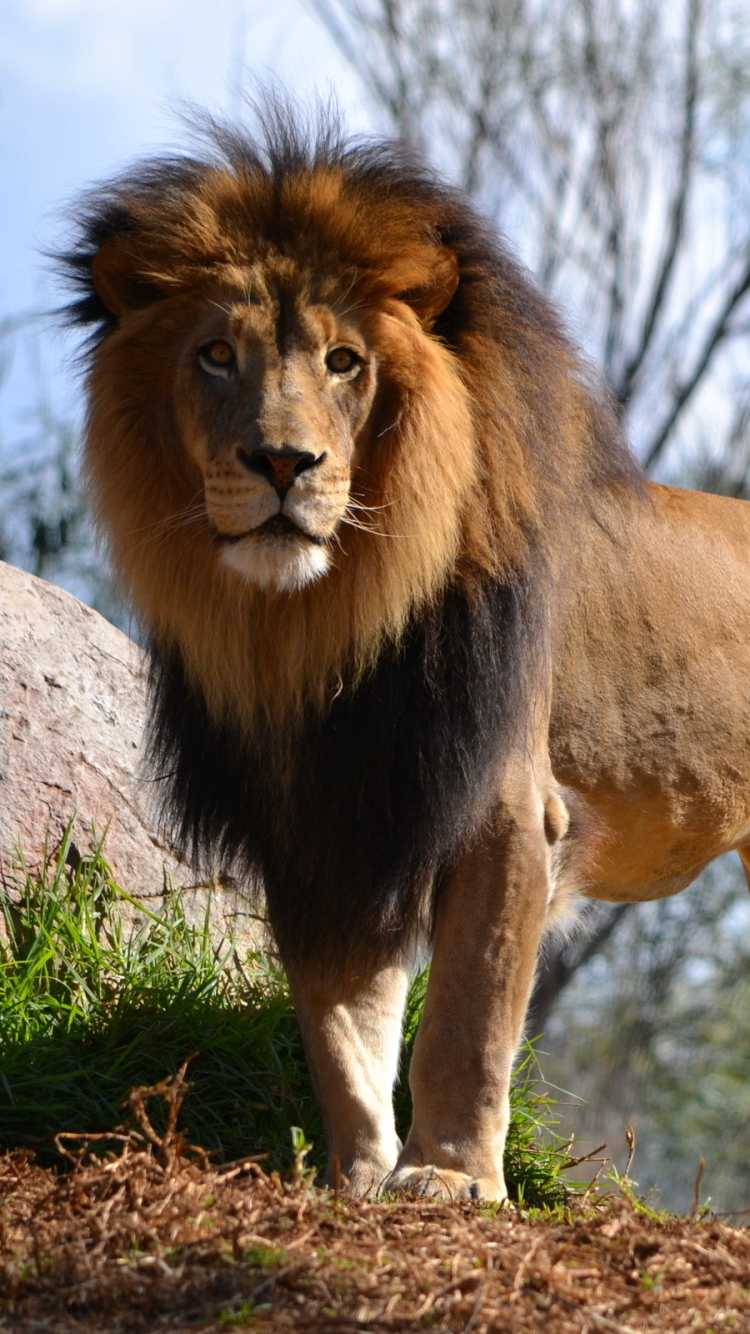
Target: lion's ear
(433,297)
(116,279)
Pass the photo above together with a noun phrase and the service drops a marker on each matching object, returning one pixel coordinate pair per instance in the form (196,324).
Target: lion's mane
(339,745)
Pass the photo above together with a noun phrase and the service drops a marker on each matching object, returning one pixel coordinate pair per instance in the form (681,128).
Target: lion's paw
(442,1183)
(364,1180)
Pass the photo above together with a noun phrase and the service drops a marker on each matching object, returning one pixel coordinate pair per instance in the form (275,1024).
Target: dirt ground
(139,1245)
(158,1239)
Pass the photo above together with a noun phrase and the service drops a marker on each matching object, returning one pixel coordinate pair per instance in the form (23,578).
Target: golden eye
(216,357)
(342,359)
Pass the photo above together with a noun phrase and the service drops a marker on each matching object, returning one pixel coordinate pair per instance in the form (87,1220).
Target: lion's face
(272,399)
(282,446)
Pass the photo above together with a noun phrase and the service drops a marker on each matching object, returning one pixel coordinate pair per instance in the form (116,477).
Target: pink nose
(281,467)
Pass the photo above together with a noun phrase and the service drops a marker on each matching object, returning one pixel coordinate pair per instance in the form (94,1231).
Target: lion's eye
(342,359)
(217,357)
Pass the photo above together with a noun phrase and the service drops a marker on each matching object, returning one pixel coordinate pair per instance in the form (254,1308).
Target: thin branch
(354,54)
(609,175)
(492,55)
(560,969)
(719,330)
(678,209)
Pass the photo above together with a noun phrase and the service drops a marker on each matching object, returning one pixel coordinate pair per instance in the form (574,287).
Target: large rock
(72,712)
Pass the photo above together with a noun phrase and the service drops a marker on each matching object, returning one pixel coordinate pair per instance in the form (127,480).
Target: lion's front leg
(490,917)
(351,1030)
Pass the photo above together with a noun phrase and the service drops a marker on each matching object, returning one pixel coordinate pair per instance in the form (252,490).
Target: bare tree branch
(678,209)
(606,154)
(561,965)
(397,107)
(683,391)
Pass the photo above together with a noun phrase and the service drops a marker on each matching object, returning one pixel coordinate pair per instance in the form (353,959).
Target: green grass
(90,1009)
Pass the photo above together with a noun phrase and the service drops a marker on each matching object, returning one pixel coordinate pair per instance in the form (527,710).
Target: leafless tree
(44,522)
(603,136)
(665,1046)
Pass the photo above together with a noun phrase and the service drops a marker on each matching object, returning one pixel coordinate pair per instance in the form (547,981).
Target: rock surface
(72,713)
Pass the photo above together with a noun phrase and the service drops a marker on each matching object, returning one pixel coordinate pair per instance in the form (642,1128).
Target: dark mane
(383,790)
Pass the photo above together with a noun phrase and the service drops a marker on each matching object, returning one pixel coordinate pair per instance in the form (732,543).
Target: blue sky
(86,86)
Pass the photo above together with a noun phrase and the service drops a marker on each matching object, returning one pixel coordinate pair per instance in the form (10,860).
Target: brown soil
(137,1244)
(158,1239)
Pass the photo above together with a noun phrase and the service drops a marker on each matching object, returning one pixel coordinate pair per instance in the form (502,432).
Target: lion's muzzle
(281,467)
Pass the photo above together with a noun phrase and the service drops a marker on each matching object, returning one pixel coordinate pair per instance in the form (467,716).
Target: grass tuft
(90,1009)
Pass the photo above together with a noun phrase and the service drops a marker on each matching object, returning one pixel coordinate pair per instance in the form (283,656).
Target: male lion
(402,580)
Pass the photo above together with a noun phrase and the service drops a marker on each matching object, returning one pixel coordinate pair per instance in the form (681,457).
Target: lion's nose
(281,467)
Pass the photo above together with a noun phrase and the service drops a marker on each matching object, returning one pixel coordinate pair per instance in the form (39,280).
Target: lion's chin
(280,563)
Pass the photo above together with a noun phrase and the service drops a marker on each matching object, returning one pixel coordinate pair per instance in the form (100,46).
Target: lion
(428,652)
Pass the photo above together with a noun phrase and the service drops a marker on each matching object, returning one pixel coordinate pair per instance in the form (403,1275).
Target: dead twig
(697,1193)
(630,1139)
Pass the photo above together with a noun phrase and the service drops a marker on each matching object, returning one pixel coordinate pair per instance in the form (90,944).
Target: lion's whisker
(348,310)
(386,429)
(195,513)
(365,527)
(174,522)
(195,506)
(370,509)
